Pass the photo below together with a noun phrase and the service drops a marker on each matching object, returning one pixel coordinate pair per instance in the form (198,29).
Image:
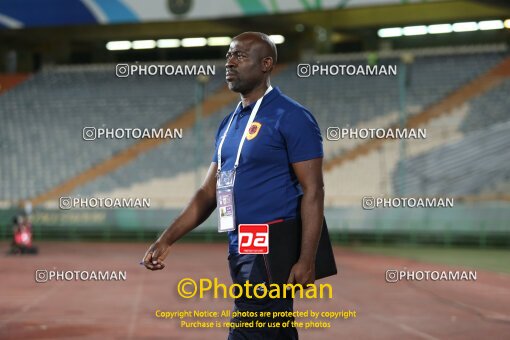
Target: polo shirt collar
(275,92)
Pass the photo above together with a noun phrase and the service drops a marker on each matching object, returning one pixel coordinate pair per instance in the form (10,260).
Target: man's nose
(230,62)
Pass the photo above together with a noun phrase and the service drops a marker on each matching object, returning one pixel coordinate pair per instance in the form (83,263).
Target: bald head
(263,44)
(250,60)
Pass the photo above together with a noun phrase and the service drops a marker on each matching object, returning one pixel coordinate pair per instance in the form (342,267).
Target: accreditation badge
(225,200)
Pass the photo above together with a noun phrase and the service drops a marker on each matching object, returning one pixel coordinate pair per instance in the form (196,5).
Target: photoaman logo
(253,238)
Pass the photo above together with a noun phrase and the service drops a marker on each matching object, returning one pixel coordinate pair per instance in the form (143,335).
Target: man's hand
(303,272)
(197,211)
(155,255)
(309,174)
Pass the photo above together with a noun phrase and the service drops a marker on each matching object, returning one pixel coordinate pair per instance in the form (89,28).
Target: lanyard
(246,129)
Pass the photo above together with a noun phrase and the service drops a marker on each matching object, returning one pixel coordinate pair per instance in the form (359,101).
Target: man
(278,175)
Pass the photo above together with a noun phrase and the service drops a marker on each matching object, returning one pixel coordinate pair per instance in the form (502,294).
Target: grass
(496,260)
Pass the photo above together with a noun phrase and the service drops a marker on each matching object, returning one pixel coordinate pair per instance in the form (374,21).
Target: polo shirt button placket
(239,116)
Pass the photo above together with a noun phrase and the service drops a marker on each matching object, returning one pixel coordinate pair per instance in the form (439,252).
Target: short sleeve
(302,135)
(217,138)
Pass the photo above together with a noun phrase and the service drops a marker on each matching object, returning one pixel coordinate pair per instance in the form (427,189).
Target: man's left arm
(309,174)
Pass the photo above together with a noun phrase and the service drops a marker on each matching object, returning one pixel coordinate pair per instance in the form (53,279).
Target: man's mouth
(230,75)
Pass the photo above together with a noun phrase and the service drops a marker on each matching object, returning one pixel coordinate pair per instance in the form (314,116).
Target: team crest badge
(253,131)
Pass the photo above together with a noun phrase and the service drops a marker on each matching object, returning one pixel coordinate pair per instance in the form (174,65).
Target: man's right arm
(197,211)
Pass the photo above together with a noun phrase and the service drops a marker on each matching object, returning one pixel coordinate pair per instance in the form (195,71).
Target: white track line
(28,306)
(485,313)
(485,287)
(134,309)
(406,328)
(482,312)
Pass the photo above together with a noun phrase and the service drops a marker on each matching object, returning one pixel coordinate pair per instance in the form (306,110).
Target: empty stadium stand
(52,108)
(44,117)
(461,168)
(489,109)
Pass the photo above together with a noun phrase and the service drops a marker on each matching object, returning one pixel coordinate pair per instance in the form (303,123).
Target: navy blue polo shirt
(266,188)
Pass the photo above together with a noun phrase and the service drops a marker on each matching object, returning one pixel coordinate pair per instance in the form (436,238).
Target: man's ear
(267,64)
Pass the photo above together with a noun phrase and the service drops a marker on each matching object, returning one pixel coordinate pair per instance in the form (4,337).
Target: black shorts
(251,267)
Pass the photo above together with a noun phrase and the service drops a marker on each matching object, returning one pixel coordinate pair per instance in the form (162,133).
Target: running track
(125,309)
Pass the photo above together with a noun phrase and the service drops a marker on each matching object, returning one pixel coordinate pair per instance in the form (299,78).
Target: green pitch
(497,260)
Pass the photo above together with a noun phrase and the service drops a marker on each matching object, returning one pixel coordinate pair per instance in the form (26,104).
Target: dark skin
(309,175)
(250,60)
(249,64)
(197,211)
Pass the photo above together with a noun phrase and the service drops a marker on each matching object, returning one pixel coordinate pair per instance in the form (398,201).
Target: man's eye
(236,55)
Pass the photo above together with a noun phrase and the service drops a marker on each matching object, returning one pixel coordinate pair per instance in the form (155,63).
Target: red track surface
(125,309)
